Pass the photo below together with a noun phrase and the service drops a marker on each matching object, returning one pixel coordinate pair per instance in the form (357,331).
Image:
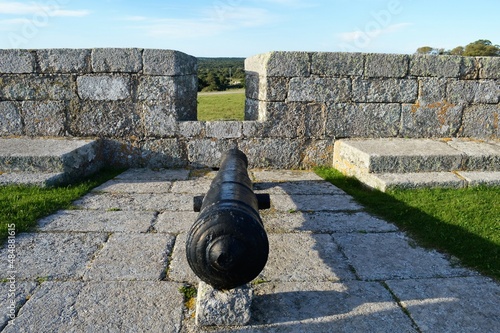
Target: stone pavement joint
(117,263)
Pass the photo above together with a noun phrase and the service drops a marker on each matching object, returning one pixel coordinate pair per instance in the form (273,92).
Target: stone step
(419,163)
(47,162)
(417,155)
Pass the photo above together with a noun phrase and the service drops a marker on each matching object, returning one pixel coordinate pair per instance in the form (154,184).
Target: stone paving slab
(97,221)
(193,186)
(299,202)
(133,306)
(325,307)
(134,186)
(468,304)
(304,257)
(298,187)
(52,256)
(131,257)
(324,222)
(413,180)
(12,297)
(383,256)
(179,270)
(261,176)
(481,156)
(150,175)
(140,201)
(175,222)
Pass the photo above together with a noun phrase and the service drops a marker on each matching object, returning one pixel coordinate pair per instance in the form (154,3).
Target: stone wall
(327,96)
(142,103)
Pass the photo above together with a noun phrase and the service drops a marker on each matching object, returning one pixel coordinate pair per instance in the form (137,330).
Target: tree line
(482,47)
(219,74)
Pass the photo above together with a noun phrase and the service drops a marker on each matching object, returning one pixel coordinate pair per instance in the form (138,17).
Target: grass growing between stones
(216,106)
(464,223)
(22,206)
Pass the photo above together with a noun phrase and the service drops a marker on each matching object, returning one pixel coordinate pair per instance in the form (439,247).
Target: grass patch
(24,205)
(464,223)
(221,106)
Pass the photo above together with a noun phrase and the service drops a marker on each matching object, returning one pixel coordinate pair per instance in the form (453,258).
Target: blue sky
(242,28)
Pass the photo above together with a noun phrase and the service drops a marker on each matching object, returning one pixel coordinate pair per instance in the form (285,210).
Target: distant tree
(459,50)
(425,50)
(482,47)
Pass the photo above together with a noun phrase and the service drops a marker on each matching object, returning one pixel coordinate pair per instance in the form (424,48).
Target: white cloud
(19,8)
(353,36)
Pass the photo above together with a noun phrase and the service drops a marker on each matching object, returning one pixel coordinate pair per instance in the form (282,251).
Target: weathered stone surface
(153,175)
(462,91)
(318,153)
(440,119)
(16,61)
(168,62)
(103,87)
(412,180)
(399,155)
(179,269)
(223,307)
(278,153)
(134,186)
(468,304)
(163,153)
(265,176)
(481,121)
(156,88)
(476,178)
(64,60)
(44,118)
(300,202)
(103,307)
(432,90)
(317,187)
(338,64)
(175,222)
(319,90)
(273,89)
(363,120)
(45,179)
(374,258)
(37,87)
(120,260)
(304,257)
(13,295)
(193,186)
(97,221)
(386,65)
(384,90)
(438,66)
(116,60)
(105,119)
(323,222)
(191,129)
(480,156)
(140,201)
(325,307)
(223,129)
(10,119)
(52,256)
(490,67)
(207,152)
(280,64)
(160,120)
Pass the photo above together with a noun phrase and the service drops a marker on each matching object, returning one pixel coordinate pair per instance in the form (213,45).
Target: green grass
(464,223)
(221,107)
(24,205)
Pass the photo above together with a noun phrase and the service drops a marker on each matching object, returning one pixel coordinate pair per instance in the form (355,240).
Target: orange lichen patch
(446,139)
(415,107)
(442,110)
(495,120)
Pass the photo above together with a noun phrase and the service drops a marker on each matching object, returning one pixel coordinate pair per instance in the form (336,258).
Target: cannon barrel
(227,245)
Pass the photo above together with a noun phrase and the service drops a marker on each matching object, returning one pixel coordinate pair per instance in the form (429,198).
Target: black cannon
(227,246)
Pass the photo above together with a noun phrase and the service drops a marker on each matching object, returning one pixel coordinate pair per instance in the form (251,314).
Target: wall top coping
(304,64)
(98,60)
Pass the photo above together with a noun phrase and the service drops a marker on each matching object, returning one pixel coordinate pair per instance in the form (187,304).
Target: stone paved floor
(116,263)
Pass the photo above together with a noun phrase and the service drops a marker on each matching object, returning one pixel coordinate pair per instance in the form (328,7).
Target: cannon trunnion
(227,246)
